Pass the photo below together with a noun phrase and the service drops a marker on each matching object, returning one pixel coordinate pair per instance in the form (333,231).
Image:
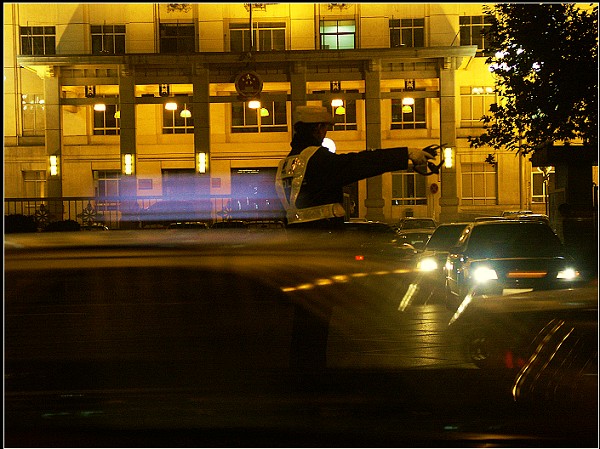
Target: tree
(546,63)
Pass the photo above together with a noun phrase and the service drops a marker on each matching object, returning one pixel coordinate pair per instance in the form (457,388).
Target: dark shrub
(16,223)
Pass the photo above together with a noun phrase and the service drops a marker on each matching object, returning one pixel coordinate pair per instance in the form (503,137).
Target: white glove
(420,157)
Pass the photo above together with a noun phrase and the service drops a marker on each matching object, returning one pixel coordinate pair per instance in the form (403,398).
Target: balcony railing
(142,212)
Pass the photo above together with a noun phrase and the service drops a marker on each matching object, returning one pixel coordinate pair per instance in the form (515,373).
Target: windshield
(505,240)
(445,237)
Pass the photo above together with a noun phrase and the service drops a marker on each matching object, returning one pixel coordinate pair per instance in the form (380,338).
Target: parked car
(416,223)
(505,257)
(430,263)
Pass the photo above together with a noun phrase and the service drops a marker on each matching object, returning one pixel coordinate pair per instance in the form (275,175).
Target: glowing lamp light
(128,164)
(100,107)
(337,102)
(53,160)
(340,110)
(406,109)
(329,144)
(201,162)
(264,112)
(448,158)
(408,101)
(118,114)
(171,106)
(254,104)
(185,113)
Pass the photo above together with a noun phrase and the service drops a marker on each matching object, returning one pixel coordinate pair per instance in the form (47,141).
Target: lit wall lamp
(254,104)
(128,164)
(53,165)
(185,112)
(100,107)
(448,157)
(407,104)
(171,106)
(90,91)
(264,112)
(201,162)
(338,104)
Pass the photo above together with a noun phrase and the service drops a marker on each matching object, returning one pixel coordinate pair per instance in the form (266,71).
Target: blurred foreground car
(512,332)
(505,257)
(249,339)
(163,213)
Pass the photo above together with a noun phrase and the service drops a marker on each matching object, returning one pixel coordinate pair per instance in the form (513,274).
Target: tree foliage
(546,64)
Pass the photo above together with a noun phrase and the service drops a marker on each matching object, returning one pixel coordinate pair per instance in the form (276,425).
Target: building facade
(118,101)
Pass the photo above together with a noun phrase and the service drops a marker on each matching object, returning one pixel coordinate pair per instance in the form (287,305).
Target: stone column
(298,86)
(449,187)
(374,201)
(53,143)
(127,143)
(201,111)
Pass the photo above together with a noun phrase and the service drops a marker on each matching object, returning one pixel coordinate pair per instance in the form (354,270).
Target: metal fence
(141,212)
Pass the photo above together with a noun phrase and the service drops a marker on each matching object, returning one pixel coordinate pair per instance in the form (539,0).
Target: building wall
(82,152)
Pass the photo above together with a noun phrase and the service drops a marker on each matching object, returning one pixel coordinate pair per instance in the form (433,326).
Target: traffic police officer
(310,180)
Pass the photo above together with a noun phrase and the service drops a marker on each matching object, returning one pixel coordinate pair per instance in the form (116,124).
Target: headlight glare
(484,274)
(427,264)
(568,273)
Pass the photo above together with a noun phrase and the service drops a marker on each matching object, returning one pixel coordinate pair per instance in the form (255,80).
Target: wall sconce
(254,104)
(264,112)
(128,164)
(164,90)
(171,106)
(90,91)
(53,165)
(185,113)
(100,107)
(407,104)
(448,158)
(201,163)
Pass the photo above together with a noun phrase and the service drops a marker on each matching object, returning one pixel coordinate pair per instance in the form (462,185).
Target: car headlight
(427,264)
(484,274)
(568,274)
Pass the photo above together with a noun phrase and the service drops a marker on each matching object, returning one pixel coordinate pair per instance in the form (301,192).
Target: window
(105,122)
(338,34)
(407,33)
(38,40)
(108,39)
(539,189)
(475,102)
(34,183)
(174,123)
(246,120)
(106,183)
(478,184)
(177,38)
(271,36)
(411,117)
(408,188)
(472,29)
(33,115)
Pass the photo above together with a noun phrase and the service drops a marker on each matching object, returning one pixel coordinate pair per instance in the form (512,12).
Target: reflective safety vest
(288,181)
